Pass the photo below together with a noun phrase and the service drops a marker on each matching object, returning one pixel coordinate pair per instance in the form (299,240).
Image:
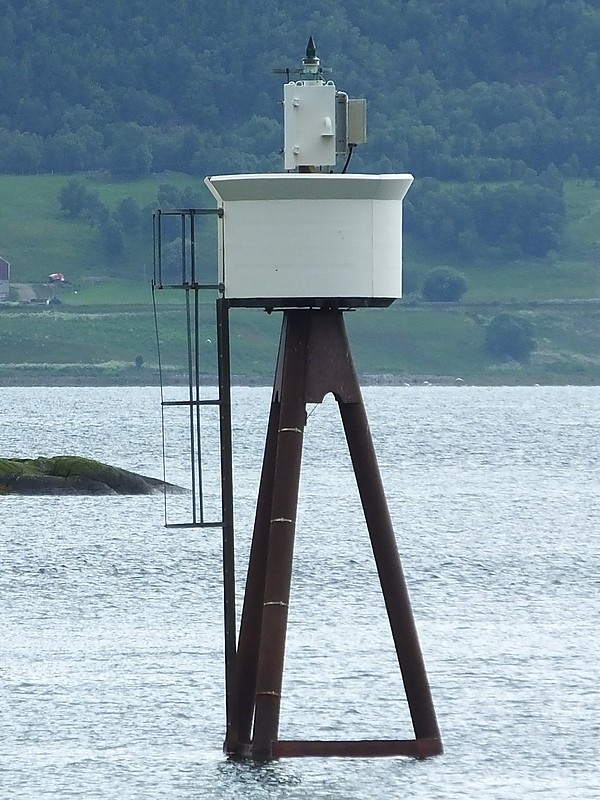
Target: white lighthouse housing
(310,240)
(309,237)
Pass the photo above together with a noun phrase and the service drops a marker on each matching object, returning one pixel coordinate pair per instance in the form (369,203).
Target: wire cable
(348,157)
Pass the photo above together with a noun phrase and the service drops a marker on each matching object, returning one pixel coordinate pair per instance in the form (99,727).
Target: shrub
(72,198)
(112,240)
(444,285)
(509,335)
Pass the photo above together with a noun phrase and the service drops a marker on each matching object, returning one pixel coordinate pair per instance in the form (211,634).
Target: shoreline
(150,378)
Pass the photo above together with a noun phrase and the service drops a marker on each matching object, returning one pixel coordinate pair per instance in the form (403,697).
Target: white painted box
(310,239)
(309,125)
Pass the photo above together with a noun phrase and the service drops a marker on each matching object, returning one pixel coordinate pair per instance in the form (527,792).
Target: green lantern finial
(311,50)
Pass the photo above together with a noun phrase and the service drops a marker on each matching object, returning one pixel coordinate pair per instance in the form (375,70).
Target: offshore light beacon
(312,243)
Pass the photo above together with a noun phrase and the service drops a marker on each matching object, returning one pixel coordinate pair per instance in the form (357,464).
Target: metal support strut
(314,359)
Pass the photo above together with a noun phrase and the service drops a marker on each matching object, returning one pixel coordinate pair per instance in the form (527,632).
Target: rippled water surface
(110,625)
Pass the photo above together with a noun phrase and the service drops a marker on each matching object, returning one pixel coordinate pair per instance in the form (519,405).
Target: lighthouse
(312,242)
(311,237)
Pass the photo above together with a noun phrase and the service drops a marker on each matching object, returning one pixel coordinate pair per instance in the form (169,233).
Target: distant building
(4,278)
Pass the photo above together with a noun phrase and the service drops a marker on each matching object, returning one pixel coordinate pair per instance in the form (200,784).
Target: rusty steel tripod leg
(331,369)
(390,571)
(251,621)
(278,577)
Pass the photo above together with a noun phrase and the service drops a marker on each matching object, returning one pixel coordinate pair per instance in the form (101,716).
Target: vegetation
(505,221)
(39,236)
(467,91)
(492,106)
(110,111)
(410,341)
(510,336)
(444,285)
(105,322)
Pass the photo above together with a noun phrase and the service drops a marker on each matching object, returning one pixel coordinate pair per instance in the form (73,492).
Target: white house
(4,278)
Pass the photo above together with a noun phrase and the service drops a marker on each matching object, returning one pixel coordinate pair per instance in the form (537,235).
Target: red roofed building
(4,278)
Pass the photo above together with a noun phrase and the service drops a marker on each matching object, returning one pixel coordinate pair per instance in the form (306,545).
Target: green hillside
(105,318)
(469,90)
(111,110)
(38,239)
(99,344)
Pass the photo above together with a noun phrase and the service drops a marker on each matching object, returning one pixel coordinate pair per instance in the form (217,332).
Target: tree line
(504,93)
(462,91)
(129,221)
(497,221)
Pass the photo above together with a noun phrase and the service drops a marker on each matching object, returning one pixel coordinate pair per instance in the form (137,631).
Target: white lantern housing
(310,240)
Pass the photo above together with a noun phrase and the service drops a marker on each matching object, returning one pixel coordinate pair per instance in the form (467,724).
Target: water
(111,643)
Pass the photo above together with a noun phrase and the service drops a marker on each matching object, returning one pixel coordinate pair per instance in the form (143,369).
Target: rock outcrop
(74,475)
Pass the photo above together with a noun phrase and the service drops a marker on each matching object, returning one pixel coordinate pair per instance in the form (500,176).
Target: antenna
(311,68)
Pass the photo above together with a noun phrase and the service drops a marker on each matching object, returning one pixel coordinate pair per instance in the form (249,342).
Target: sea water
(111,644)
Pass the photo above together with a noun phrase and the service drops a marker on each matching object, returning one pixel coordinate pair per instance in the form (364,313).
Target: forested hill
(491,104)
(461,90)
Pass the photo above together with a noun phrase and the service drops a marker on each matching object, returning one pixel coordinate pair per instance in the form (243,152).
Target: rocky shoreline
(73,475)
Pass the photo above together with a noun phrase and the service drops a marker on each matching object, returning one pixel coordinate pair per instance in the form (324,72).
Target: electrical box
(309,125)
(357,122)
(310,240)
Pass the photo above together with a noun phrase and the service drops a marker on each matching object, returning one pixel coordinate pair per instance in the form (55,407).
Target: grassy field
(100,343)
(103,324)
(38,240)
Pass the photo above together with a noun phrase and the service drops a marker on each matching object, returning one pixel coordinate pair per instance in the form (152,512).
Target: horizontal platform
(308,186)
(194,524)
(366,748)
(333,303)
